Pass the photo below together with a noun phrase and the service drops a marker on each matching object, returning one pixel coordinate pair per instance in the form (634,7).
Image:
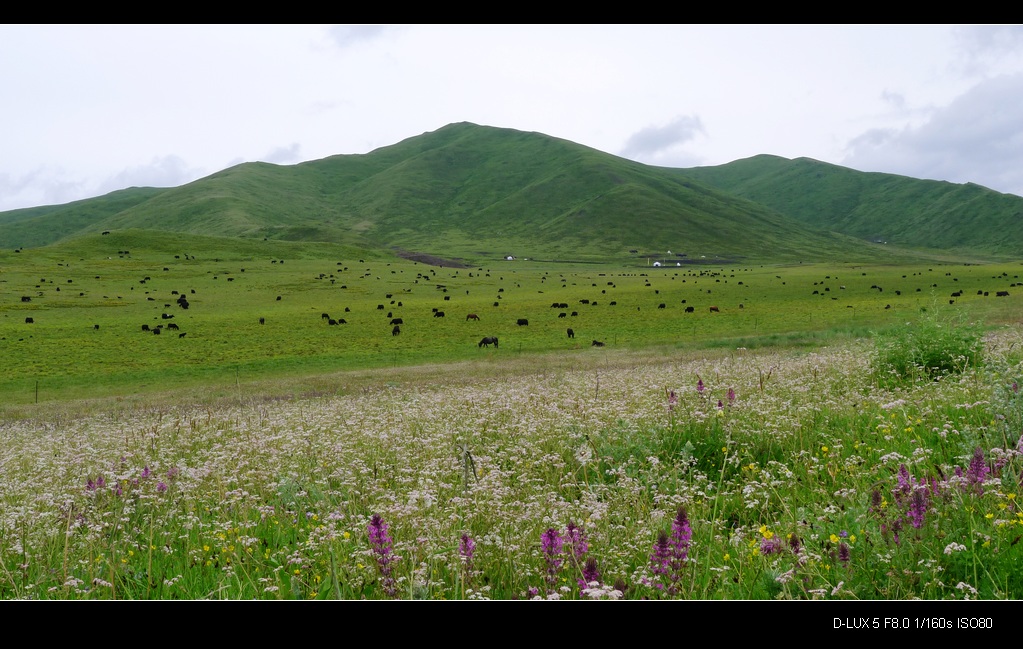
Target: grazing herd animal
(398,322)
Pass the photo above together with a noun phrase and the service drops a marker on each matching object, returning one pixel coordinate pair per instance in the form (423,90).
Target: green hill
(895,209)
(476,192)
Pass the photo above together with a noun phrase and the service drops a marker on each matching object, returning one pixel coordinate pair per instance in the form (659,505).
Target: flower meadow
(739,474)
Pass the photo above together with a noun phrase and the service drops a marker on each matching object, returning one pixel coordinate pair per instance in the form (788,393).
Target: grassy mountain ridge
(876,206)
(40,226)
(475,192)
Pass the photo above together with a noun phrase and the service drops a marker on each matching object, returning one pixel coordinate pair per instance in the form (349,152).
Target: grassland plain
(747,453)
(728,474)
(255,310)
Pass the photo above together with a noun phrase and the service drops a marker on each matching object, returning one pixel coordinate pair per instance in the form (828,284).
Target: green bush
(936,344)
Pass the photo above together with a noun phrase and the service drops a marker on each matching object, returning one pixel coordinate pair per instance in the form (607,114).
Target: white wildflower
(954,547)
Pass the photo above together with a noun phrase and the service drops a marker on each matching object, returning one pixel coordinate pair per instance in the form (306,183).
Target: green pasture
(89,301)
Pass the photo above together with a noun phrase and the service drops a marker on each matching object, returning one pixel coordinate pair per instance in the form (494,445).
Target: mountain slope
(480,192)
(39,226)
(876,206)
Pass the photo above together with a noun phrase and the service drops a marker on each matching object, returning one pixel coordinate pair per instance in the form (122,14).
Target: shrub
(936,344)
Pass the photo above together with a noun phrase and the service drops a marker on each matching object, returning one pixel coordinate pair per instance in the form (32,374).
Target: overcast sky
(88,109)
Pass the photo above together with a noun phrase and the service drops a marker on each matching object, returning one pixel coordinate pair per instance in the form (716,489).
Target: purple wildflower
(173,472)
(770,546)
(731,396)
(917,508)
(905,481)
(100,482)
(660,560)
(590,572)
(466,550)
(145,472)
(720,405)
(672,400)
(795,544)
(381,543)
(91,485)
(681,533)
(978,470)
(551,544)
(621,586)
(161,486)
(670,553)
(843,552)
(578,546)
(577,542)
(699,386)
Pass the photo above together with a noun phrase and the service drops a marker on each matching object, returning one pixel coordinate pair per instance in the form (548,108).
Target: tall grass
(935,344)
(766,475)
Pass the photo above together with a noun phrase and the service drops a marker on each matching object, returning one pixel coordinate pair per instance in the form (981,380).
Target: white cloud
(285,155)
(977,138)
(86,105)
(165,171)
(985,46)
(655,144)
(348,35)
(41,186)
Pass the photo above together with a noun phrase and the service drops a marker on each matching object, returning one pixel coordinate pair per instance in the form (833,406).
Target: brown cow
(472,316)
(714,309)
